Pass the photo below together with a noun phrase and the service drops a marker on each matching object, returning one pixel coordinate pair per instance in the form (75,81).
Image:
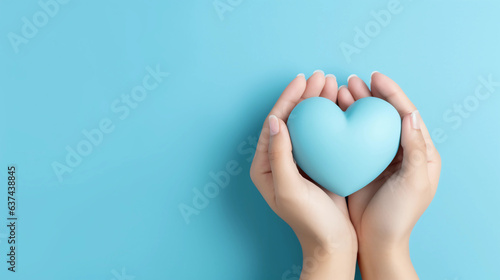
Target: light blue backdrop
(116,214)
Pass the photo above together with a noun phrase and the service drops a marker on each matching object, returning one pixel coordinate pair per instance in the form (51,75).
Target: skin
(386,210)
(378,219)
(318,217)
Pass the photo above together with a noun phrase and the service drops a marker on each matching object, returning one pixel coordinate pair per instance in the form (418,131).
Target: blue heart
(344,151)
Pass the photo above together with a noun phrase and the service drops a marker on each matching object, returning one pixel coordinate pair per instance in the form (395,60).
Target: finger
(260,170)
(286,102)
(284,170)
(345,98)
(331,88)
(432,153)
(414,148)
(315,84)
(433,157)
(290,97)
(385,88)
(357,87)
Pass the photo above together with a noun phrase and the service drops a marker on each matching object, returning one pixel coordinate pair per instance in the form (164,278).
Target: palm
(318,201)
(359,201)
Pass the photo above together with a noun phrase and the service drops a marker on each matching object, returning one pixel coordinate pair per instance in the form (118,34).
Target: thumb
(414,146)
(283,167)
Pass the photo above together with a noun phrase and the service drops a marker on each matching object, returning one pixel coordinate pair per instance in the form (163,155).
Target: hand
(318,217)
(386,210)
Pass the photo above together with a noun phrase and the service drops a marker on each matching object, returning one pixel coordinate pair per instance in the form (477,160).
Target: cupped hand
(318,217)
(386,210)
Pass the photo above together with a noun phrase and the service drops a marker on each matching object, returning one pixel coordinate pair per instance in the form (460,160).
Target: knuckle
(421,145)
(417,158)
(275,154)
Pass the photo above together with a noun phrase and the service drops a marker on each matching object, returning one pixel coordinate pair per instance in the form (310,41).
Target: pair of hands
(375,225)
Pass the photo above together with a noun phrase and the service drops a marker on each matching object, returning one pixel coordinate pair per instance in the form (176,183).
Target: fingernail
(274,125)
(371,77)
(342,86)
(320,71)
(415,120)
(330,75)
(348,78)
(301,75)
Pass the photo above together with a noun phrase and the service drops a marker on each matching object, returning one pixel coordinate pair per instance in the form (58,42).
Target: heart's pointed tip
(341,193)
(346,192)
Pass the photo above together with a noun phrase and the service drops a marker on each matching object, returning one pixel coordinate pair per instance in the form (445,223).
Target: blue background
(117,213)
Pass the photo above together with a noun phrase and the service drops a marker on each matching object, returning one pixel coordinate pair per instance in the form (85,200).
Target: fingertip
(283,128)
(315,84)
(280,154)
(300,79)
(374,78)
(274,125)
(319,71)
(414,146)
(375,74)
(381,83)
(387,89)
(411,135)
(278,128)
(345,98)
(296,87)
(406,123)
(330,88)
(357,87)
(415,119)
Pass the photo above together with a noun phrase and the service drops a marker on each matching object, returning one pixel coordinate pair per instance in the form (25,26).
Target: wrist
(386,254)
(389,246)
(328,261)
(342,243)
(385,260)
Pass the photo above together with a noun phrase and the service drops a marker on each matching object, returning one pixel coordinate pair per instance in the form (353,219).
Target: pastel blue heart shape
(344,151)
